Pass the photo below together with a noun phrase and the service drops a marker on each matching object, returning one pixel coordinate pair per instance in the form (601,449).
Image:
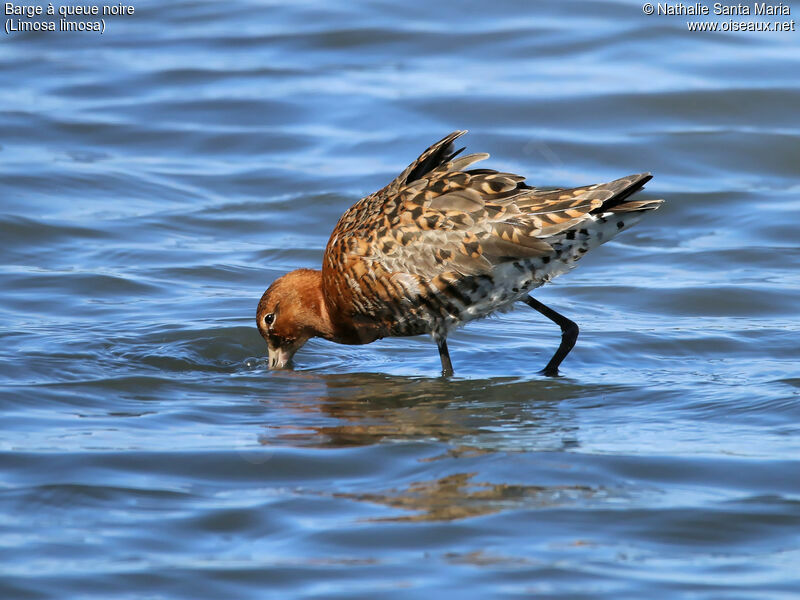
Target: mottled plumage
(445,243)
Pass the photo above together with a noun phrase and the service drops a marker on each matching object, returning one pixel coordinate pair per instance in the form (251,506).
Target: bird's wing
(440,221)
(469,221)
(434,157)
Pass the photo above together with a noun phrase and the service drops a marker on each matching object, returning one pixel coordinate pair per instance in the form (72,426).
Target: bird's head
(290,312)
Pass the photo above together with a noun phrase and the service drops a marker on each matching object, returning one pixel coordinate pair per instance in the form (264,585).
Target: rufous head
(291,312)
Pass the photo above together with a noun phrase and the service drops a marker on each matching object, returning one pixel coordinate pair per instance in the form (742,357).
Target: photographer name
(698,9)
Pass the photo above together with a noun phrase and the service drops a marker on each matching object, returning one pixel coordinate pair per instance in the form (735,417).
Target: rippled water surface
(156,178)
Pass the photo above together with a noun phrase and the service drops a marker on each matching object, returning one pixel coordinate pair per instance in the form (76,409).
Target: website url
(741,25)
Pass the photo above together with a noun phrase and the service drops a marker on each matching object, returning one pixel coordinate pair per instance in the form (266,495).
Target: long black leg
(447,366)
(569,333)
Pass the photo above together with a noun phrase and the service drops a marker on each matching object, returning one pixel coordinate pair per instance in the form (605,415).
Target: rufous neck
(309,286)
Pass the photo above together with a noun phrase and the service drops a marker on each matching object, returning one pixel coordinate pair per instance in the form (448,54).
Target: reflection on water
(361,410)
(458,496)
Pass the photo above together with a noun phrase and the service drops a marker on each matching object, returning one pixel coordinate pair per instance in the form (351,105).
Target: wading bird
(439,246)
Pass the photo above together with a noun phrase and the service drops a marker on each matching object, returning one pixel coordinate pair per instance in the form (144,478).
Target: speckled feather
(444,243)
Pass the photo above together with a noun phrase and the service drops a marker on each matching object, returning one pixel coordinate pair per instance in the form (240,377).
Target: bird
(443,244)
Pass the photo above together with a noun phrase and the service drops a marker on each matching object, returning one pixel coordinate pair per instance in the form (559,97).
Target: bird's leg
(569,333)
(447,366)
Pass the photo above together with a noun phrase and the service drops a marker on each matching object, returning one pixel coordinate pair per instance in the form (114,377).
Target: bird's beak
(279,357)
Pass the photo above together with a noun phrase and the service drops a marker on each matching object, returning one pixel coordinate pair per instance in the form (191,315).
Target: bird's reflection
(363,409)
(458,496)
(472,419)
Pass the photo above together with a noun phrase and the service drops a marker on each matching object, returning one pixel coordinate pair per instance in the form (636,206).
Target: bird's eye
(269,319)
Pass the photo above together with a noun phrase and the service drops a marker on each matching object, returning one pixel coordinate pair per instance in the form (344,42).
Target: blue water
(156,178)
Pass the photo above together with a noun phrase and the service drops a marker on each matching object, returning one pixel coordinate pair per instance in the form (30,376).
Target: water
(156,178)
